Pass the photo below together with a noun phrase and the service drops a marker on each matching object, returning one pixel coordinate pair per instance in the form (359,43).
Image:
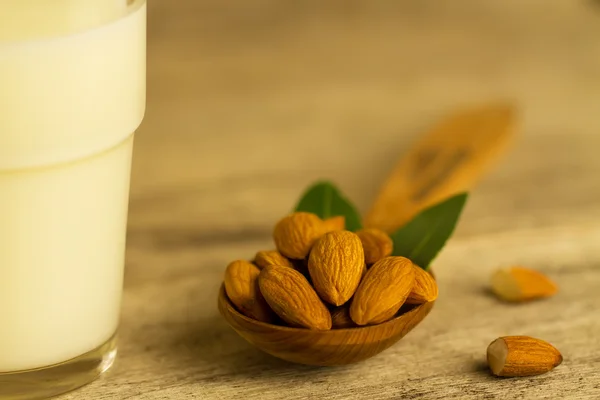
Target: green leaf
(325,200)
(424,236)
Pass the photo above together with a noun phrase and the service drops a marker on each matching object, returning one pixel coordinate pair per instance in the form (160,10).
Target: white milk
(70,100)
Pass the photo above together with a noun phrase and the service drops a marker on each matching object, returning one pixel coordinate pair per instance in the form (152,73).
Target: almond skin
(337,223)
(376,243)
(517,284)
(295,234)
(383,290)
(521,356)
(292,298)
(241,286)
(271,257)
(425,288)
(386,316)
(336,265)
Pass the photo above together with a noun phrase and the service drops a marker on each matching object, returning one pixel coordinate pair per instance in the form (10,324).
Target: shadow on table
(211,343)
(481,367)
(188,340)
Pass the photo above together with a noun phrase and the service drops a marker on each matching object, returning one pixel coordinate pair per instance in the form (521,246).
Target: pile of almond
(322,276)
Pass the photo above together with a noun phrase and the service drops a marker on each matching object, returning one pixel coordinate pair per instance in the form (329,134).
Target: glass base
(42,383)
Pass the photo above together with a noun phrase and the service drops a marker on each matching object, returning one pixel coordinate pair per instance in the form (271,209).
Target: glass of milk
(72,93)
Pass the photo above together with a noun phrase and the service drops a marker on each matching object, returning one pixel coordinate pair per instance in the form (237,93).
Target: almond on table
(518,284)
(512,356)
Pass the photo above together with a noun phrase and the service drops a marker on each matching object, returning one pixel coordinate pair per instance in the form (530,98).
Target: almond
(271,257)
(335,265)
(376,243)
(517,284)
(340,317)
(521,356)
(386,316)
(425,288)
(335,223)
(296,233)
(292,298)
(383,290)
(241,286)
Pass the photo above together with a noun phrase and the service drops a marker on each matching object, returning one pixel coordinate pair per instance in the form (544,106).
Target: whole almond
(335,265)
(386,316)
(292,298)
(241,286)
(521,356)
(425,288)
(518,284)
(271,257)
(337,223)
(385,287)
(376,243)
(340,317)
(296,233)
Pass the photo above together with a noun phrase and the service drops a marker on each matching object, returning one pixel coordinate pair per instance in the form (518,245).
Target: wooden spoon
(326,348)
(447,160)
(444,162)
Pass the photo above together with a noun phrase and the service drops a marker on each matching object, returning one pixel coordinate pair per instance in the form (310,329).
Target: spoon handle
(447,160)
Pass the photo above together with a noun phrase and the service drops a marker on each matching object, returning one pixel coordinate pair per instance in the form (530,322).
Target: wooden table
(250,101)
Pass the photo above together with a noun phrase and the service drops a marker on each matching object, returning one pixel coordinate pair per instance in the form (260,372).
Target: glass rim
(131,7)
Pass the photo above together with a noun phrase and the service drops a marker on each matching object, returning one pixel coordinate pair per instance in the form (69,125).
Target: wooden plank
(248,102)
(175,345)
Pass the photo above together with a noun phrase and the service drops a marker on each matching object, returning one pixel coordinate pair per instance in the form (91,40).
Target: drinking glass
(72,94)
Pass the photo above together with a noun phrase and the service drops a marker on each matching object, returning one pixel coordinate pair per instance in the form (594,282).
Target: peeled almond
(516,284)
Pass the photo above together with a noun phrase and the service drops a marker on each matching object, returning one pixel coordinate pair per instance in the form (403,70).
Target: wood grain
(318,347)
(250,101)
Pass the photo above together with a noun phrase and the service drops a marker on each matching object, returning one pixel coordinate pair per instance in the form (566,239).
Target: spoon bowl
(324,348)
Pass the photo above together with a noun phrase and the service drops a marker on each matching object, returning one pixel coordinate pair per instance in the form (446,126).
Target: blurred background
(250,101)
